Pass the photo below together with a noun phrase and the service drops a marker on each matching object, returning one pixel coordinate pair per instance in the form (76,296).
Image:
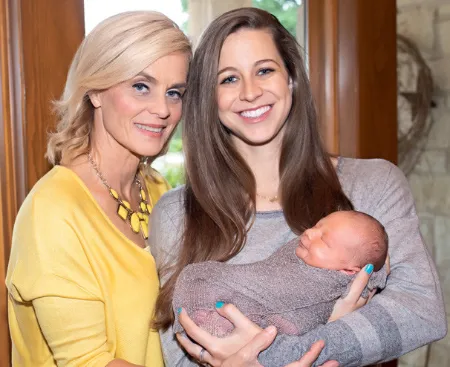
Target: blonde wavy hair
(115,51)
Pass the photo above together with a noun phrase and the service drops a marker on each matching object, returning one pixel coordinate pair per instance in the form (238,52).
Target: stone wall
(427,23)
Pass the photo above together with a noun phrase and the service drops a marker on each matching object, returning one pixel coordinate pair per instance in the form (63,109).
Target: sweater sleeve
(164,234)
(50,273)
(407,314)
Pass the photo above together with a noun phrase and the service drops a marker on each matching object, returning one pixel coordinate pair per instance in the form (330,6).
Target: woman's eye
(140,87)
(174,94)
(228,80)
(265,71)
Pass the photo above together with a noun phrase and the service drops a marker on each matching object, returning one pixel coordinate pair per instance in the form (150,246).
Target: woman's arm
(248,355)
(75,331)
(234,348)
(407,314)
(121,363)
(165,229)
(53,290)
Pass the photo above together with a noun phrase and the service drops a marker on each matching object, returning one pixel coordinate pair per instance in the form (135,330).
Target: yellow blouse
(80,292)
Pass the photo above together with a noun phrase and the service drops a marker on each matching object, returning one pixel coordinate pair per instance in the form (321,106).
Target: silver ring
(200,356)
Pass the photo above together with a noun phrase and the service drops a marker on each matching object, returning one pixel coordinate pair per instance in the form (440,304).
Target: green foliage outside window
(173,169)
(174,175)
(284,10)
(184,7)
(175,144)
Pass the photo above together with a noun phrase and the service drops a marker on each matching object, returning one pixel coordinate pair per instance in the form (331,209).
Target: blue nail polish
(369,269)
(179,310)
(219,304)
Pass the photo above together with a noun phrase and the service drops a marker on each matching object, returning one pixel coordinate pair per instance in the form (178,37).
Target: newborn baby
(295,288)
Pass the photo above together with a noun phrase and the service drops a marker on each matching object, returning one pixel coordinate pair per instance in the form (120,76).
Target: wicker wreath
(414,90)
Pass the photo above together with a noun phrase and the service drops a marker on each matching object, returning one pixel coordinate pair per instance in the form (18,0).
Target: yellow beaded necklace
(138,220)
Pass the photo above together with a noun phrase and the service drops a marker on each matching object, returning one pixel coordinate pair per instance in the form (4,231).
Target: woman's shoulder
(367,171)
(361,167)
(166,226)
(47,226)
(368,181)
(57,186)
(171,202)
(55,200)
(156,184)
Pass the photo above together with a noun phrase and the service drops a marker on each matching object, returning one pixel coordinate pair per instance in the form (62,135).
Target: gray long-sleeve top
(407,314)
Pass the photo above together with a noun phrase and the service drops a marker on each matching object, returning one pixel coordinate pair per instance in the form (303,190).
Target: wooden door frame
(353,70)
(12,175)
(38,43)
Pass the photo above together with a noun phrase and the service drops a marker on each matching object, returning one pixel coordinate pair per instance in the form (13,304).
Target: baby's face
(330,244)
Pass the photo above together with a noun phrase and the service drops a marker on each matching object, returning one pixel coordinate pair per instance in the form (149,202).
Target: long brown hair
(220,187)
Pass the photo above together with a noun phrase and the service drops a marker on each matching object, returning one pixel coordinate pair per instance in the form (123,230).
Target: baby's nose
(304,240)
(309,233)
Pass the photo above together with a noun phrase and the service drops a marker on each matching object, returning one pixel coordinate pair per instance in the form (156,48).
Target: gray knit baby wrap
(281,290)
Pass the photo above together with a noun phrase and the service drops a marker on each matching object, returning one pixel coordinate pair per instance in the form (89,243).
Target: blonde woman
(82,285)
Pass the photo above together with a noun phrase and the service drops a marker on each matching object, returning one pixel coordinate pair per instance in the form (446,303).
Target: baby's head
(344,241)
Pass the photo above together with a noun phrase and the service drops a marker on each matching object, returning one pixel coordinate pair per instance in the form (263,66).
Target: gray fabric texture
(407,314)
(281,290)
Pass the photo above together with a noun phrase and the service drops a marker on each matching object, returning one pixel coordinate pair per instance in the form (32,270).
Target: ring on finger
(201,355)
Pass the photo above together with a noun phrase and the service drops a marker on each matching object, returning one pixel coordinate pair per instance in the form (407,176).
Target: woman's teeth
(149,128)
(255,113)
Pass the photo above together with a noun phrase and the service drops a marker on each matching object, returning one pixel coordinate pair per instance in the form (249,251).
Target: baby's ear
(351,271)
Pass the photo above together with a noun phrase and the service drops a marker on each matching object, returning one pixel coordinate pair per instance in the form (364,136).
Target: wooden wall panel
(52,31)
(352,57)
(323,48)
(368,79)
(11,161)
(38,40)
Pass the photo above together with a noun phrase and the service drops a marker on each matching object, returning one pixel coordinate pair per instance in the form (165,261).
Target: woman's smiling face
(141,113)
(253,92)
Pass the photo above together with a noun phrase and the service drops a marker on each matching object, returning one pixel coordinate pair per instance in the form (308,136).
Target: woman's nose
(250,90)
(159,106)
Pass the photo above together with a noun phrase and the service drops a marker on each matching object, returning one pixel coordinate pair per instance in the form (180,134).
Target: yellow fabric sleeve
(56,277)
(75,330)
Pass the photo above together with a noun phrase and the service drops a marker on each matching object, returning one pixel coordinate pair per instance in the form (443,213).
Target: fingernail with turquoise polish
(369,269)
(219,304)
(179,310)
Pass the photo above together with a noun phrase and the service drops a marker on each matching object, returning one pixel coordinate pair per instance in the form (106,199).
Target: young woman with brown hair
(257,175)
